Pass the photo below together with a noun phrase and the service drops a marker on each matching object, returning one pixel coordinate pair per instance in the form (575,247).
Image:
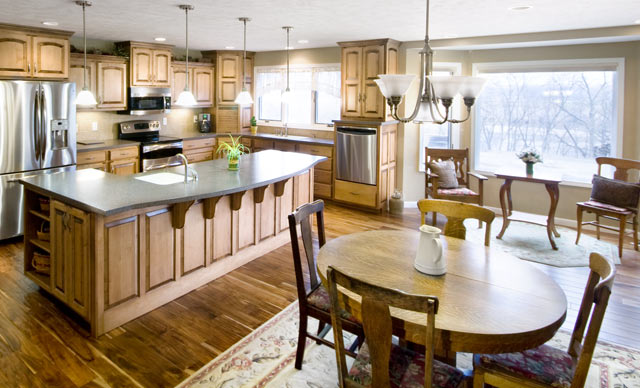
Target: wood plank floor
(40,346)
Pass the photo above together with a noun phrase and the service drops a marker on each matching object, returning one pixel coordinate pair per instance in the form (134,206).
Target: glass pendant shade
(244,98)
(394,85)
(186,98)
(446,86)
(424,115)
(472,86)
(86,98)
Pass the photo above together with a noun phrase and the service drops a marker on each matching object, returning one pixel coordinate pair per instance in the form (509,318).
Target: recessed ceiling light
(288,47)
(521,8)
(229,47)
(160,39)
(303,41)
(50,23)
(637,21)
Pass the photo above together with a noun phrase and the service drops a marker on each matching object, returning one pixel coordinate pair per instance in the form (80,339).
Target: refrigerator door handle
(36,124)
(43,126)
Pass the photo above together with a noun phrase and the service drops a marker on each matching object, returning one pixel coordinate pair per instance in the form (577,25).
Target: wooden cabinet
(199,150)
(323,173)
(119,161)
(70,257)
(361,63)
(33,53)
(201,82)
(150,64)
(106,78)
(228,83)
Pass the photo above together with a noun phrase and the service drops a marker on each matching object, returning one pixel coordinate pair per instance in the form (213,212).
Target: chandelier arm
(434,102)
(416,109)
(454,121)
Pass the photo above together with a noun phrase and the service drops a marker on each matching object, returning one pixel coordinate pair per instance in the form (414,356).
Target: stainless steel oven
(143,101)
(356,154)
(155,151)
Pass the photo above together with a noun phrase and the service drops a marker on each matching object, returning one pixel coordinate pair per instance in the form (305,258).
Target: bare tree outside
(569,117)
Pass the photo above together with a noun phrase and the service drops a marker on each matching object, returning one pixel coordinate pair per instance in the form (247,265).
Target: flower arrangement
(530,156)
(233,151)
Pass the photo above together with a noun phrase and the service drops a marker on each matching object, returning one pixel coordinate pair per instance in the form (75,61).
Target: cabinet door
(102,166)
(373,64)
(124,166)
(50,57)
(351,78)
(229,77)
(203,85)
(178,80)
(59,250)
(161,67)
(112,85)
(141,66)
(78,260)
(76,74)
(15,54)
(245,117)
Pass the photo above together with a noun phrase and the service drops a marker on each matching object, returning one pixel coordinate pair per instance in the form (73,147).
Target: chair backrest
(456,213)
(376,322)
(460,159)
(303,216)
(622,166)
(592,309)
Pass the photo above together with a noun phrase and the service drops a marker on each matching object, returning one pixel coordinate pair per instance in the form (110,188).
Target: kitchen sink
(163,178)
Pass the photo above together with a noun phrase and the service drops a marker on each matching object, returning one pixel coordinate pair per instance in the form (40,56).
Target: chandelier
(435,91)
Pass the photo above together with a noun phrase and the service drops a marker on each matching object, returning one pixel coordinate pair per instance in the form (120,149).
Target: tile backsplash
(179,121)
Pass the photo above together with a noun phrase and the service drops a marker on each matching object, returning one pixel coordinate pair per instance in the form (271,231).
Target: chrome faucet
(185,161)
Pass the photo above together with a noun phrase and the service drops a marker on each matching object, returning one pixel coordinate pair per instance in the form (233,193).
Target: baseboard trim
(559,221)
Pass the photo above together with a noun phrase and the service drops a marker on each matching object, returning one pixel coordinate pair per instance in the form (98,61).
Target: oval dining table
(490,301)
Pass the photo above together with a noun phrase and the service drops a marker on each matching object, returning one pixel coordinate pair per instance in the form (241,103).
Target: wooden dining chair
(456,213)
(546,366)
(380,363)
(314,300)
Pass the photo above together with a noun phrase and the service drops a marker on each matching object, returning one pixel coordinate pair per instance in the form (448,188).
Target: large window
(314,100)
(568,111)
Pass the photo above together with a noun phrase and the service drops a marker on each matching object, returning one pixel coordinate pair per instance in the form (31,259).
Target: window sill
(313,127)
(562,183)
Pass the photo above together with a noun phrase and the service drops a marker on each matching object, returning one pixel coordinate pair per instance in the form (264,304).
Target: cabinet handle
(35,67)
(28,68)
(353,193)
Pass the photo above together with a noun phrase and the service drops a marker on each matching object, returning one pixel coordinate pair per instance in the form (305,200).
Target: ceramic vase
(429,258)
(529,168)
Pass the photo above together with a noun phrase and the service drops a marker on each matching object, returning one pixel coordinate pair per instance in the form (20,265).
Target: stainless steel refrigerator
(37,136)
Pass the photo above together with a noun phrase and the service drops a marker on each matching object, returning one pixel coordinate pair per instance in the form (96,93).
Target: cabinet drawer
(198,143)
(123,153)
(356,193)
(322,176)
(92,157)
(285,146)
(327,165)
(263,144)
(98,166)
(315,150)
(322,190)
(194,157)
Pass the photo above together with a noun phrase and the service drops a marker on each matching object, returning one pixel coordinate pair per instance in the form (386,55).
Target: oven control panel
(140,126)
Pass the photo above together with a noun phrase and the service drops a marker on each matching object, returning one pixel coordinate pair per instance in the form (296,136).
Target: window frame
(582,64)
(312,68)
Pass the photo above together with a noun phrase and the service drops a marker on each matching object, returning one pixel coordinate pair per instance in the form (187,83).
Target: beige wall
(298,57)
(527,197)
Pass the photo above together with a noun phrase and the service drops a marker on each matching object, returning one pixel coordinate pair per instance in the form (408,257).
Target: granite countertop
(105,145)
(272,136)
(106,194)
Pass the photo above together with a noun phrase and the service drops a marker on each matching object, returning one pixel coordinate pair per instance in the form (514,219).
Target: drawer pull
(352,193)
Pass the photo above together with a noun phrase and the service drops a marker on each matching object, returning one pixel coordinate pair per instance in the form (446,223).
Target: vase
(234,164)
(254,129)
(529,168)
(429,259)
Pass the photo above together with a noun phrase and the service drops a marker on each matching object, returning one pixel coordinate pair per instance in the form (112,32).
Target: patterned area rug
(530,242)
(265,358)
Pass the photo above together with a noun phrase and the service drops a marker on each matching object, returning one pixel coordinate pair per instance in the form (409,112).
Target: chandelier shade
(472,87)
(394,84)
(85,98)
(186,98)
(244,98)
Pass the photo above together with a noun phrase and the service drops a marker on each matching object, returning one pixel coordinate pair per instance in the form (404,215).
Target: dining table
(489,301)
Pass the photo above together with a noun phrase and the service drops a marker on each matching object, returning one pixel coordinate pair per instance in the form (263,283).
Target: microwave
(146,100)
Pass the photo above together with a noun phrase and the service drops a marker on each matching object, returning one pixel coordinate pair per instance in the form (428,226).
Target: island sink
(163,178)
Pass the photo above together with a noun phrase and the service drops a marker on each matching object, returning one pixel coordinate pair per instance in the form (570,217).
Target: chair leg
(478,379)
(479,224)
(623,224)
(635,233)
(579,218)
(434,218)
(598,227)
(302,341)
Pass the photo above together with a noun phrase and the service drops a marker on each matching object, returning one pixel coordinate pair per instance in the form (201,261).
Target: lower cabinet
(199,150)
(119,161)
(70,253)
(124,166)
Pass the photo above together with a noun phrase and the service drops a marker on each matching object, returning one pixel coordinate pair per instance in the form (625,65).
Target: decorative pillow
(615,192)
(446,172)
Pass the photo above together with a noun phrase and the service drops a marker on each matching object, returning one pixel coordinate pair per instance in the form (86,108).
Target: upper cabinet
(150,64)
(201,82)
(362,61)
(33,53)
(106,78)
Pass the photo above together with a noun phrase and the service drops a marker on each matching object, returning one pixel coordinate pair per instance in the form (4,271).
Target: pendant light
(85,97)
(286,95)
(186,98)
(244,98)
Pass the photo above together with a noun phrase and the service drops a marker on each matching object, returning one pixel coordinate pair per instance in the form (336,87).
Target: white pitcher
(429,258)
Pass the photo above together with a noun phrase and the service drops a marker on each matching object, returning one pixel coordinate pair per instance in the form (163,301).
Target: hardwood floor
(40,346)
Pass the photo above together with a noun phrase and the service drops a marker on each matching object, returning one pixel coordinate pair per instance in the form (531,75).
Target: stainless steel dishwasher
(356,154)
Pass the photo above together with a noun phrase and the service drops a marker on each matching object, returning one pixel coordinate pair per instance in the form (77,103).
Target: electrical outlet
(94,126)
(164,121)
(195,118)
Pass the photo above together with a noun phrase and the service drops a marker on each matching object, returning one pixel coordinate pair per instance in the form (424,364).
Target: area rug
(530,242)
(265,358)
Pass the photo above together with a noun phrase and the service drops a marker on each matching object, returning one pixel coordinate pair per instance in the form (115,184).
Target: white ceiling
(214,25)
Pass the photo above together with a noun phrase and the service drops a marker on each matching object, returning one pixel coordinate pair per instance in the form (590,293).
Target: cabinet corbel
(258,194)
(179,213)
(236,200)
(209,208)
(279,187)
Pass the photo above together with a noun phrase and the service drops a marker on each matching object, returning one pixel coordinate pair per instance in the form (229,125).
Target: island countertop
(106,194)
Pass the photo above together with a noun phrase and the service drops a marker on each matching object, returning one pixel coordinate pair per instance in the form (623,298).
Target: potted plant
(530,157)
(254,125)
(233,151)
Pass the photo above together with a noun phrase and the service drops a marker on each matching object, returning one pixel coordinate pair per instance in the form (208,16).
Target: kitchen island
(121,246)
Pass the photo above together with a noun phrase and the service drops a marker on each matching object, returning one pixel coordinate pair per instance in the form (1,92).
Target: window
(568,111)
(315,95)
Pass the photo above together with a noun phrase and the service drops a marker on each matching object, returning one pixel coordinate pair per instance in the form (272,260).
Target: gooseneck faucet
(185,161)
